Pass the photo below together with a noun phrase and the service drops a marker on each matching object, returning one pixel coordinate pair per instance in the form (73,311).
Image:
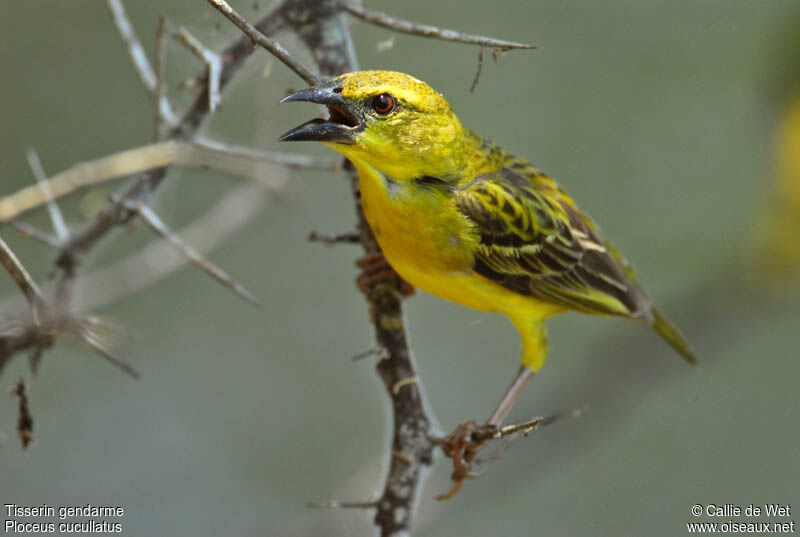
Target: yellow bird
(465,220)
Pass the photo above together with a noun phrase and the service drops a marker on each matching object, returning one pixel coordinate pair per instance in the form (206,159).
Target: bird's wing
(534,241)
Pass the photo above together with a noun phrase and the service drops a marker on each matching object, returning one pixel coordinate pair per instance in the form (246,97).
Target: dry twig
(212,60)
(275,48)
(387,21)
(23,279)
(139,59)
(350,237)
(155,223)
(214,155)
(52,207)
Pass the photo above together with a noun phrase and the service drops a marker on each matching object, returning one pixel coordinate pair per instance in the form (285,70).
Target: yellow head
(391,121)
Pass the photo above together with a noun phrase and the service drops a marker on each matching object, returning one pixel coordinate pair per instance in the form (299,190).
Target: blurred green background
(658,116)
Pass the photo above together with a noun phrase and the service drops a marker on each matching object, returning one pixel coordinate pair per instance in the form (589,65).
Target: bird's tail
(674,337)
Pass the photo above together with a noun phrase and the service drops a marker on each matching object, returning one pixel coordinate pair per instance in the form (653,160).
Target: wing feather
(534,241)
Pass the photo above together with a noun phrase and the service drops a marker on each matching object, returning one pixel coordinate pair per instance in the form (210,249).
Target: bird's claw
(375,269)
(462,445)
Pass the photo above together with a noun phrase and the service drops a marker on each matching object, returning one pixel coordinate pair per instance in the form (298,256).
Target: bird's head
(390,121)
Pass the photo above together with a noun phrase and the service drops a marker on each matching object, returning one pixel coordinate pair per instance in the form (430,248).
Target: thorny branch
(212,60)
(268,43)
(56,217)
(199,153)
(150,80)
(23,279)
(155,223)
(321,26)
(424,30)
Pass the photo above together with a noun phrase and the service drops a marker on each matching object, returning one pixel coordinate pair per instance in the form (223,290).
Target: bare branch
(27,230)
(35,358)
(26,284)
(268,43)
(334,504)
(351,237)
(382,19)
(159,93)
(113,215)
(379,352)
(139,57)
(60,318)
(160,259)
(88,337)
(87,174)
(230,159)
(158,226)
(478,72)
(212,60)
(41,178)
(135,49)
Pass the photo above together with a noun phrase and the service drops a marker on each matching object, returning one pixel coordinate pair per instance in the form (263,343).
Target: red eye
(383,103)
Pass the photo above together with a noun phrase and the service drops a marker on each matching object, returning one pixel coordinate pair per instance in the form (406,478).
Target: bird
(463,219)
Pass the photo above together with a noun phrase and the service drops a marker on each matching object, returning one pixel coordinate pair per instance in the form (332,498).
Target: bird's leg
(523,377)
(376,269)
(462,446)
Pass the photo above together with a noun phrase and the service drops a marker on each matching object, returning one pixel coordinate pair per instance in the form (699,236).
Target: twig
(135,49)
(27,230)
(25,420)
(350,237)
(380,352)
(114,215)
(89,173)
(212,60)
(26,284)
(139,57)
(267,42)
(52,207)
(35,358)
(159,227)
(478,72)
(88,337)
(158,260)
(159,93)
(334,504)
(387,21)
(230,159)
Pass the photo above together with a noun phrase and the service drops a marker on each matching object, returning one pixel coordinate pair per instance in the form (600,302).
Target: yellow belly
(430,244)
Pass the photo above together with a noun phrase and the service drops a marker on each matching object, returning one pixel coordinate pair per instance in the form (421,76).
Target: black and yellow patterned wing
(534,241)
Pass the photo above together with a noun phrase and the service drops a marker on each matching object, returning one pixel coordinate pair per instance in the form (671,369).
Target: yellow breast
(430,244)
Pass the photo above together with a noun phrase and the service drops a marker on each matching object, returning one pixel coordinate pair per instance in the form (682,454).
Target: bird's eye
(383,103)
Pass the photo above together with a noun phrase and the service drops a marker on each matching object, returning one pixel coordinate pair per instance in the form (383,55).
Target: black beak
(342,125)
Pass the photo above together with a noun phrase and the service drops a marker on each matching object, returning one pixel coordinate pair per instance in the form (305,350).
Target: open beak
(342,125)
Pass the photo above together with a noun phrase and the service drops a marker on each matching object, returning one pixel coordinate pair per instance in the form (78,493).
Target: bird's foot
(375,269)
(462,445)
